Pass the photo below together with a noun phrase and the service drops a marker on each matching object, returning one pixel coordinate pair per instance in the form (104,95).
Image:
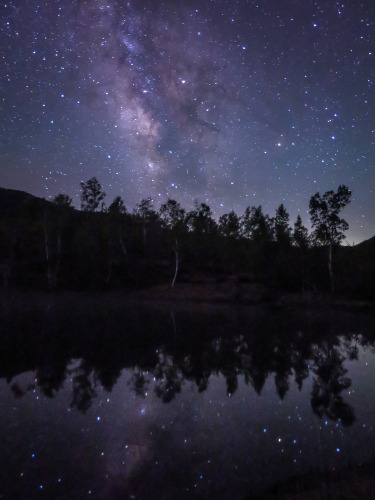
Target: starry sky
(232,103)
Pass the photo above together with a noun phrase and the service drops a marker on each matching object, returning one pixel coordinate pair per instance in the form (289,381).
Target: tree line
(328,227)
(103,245)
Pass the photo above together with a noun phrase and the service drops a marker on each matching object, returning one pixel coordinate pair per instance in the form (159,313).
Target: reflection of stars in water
(282,434)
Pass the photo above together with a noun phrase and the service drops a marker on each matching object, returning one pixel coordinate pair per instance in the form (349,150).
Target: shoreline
(184,295)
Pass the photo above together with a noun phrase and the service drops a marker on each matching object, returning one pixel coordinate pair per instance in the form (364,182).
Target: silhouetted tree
(172,214)
(91,195)
(281,225)
(200,220)
(145,211)
(301,240)
(62,200)
(173,217)
(117,207)
(229,225)
(300,234)
(246,224)
(328,227)
(116,212)
(255,225)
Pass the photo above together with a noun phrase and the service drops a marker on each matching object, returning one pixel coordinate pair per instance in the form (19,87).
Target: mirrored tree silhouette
(329,382)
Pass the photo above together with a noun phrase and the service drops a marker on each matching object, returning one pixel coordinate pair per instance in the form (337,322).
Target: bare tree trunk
(176,270)
(123,248)
(330,267)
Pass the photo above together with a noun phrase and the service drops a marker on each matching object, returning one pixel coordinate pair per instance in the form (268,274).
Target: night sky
(232,103)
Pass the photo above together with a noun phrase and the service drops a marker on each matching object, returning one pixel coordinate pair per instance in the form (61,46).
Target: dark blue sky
(234,103)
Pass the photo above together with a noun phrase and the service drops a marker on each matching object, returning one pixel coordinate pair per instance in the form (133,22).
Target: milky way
(232,103)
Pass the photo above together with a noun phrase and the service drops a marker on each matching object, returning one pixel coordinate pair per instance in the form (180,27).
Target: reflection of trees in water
(328,383)
(254,359)
(83,388)
(165,365)
(168,377)
(138,383)
(351,345)
(50,378)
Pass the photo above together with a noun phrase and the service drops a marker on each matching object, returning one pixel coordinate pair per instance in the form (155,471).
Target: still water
(111,401)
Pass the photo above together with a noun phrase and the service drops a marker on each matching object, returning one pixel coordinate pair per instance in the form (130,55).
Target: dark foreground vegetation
(51,245)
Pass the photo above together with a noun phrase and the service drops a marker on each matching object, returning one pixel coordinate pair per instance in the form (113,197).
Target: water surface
(107,400)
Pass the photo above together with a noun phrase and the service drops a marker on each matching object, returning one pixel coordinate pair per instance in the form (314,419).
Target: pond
(106,399)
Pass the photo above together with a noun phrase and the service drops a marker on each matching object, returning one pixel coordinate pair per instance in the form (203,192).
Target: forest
(51,245)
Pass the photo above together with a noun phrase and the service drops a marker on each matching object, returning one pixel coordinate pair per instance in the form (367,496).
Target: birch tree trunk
(123,248)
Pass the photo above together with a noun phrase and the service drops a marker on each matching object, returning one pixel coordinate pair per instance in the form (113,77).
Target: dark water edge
(74,325)
(74,350)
